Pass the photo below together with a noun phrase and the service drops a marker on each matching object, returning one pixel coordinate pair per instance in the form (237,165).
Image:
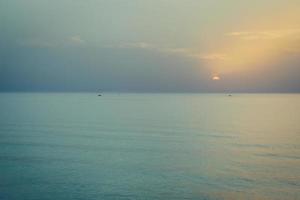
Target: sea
(81,146)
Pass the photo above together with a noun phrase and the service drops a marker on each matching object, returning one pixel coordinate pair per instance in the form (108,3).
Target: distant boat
(229,95)
(99,95)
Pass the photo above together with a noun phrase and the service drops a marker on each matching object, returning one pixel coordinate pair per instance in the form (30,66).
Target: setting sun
(216,78)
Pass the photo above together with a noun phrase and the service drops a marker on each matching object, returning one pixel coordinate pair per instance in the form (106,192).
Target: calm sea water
(149,146)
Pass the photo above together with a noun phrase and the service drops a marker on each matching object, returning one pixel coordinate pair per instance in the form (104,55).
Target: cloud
(149,46)
(187,52)
(213,56)
(36,43)
(51,43)
(140,45)
(133,45)
(76,39)
(266,35)
(194,54)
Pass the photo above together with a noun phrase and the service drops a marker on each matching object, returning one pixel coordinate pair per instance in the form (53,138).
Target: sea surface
(78,146)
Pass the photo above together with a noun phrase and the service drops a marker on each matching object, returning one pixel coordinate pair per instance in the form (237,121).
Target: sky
(150,45)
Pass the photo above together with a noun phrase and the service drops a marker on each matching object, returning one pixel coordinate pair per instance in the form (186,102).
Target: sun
(216,78)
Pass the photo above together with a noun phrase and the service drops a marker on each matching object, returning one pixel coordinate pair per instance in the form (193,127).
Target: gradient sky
(150,45)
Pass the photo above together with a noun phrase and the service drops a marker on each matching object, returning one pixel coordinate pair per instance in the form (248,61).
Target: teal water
(149,146)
